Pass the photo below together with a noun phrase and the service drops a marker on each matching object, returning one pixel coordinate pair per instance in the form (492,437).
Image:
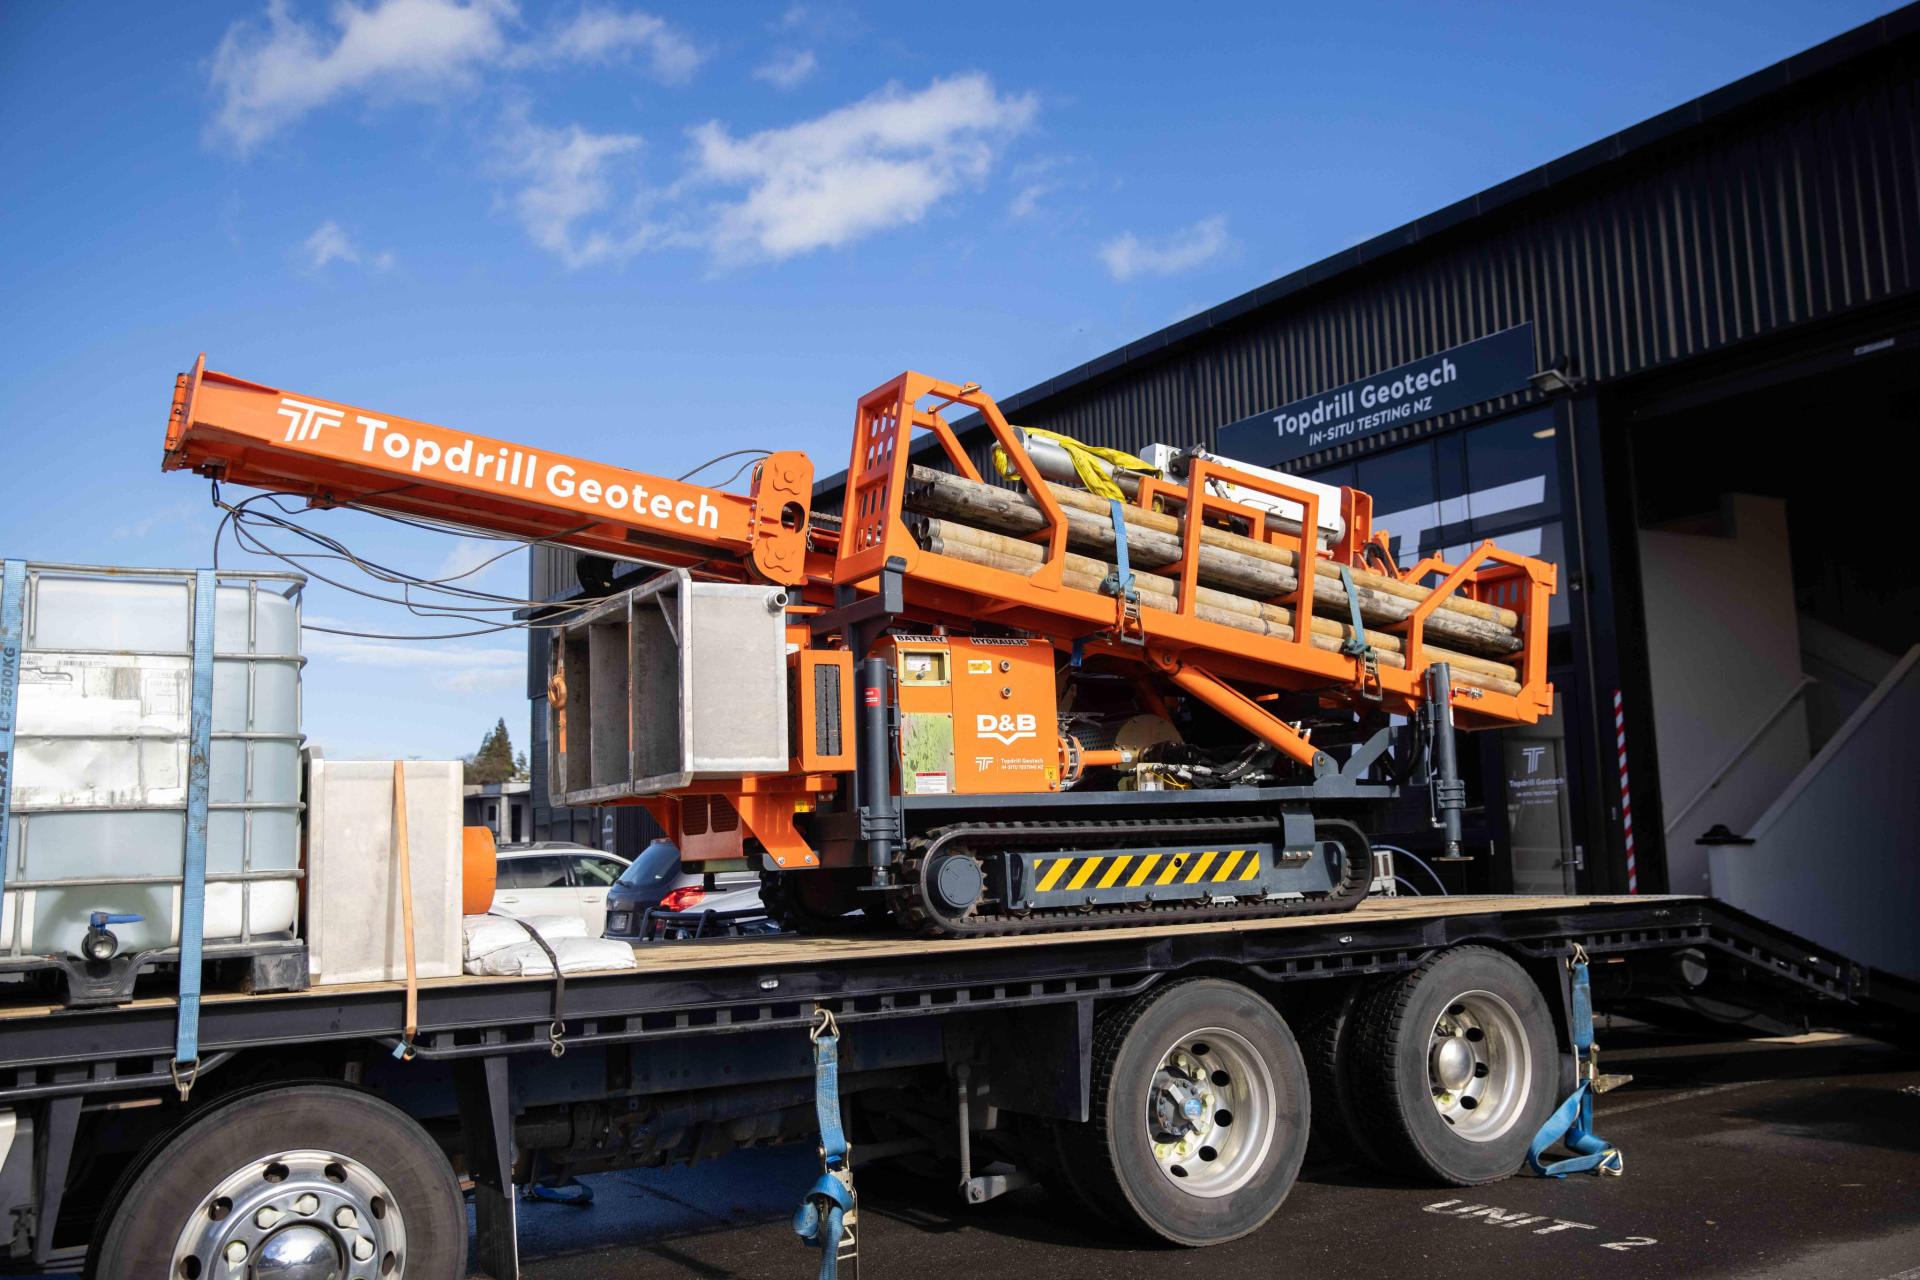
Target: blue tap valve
(100,944)
(101,919)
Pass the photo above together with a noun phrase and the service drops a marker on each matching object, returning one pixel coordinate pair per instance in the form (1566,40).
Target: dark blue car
(657,898)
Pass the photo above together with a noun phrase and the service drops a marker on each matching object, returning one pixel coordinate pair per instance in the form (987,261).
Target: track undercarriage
(978,879)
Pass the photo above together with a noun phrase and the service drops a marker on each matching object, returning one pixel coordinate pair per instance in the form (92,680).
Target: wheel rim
(1210,1112)
(1479,1065)
(298,1215)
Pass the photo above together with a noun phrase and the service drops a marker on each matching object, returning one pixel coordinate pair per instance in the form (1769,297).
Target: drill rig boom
(334,454)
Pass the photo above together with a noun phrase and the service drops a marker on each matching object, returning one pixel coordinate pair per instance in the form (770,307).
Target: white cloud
(599,34)
(452,668)
(786,70)
(1033,180)
(1128,256)
(876,164)
(268,77)
(270,73)
(464,560)
(183,517)
(566,177)
(329,243)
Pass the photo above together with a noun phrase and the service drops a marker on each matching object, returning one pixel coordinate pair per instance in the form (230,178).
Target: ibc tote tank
(99,785)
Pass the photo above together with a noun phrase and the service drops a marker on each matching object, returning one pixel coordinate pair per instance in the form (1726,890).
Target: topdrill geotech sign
(1496,365)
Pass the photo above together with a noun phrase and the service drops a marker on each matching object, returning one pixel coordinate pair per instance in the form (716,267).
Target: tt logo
(1533,755)
(304,420)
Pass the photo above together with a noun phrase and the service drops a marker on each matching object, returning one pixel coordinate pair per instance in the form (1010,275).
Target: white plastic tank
(99,819)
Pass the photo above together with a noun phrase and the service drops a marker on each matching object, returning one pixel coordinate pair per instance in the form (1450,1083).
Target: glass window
(1405,497)
(533,873)
(1340,475)
(1542,542)
(1513,473)
(594,872)
(1539,808)
(657,864)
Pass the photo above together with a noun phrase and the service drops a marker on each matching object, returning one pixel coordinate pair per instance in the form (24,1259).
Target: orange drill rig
(1119,691)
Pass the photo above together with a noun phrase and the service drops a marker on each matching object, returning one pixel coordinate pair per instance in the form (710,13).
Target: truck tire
(1454,1067)
(1326,1041)
(1199,1114)
(315,1176)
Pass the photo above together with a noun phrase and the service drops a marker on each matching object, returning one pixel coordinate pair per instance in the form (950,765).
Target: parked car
(657,882)
(555,877)
(722,913)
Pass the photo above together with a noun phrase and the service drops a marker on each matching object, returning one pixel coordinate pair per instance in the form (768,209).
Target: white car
(555,878)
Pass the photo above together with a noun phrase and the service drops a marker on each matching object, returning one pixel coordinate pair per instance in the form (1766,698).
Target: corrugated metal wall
(1804,209)
(550,574)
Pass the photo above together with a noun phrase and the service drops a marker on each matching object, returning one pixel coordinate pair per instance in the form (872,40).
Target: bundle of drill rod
(1239,576)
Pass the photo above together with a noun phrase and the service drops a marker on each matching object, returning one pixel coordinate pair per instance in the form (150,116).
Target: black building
(1722,310)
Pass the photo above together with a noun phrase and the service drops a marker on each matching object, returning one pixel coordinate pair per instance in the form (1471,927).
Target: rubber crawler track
(917,910)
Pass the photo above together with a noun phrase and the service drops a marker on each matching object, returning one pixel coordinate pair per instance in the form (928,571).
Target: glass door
(1535,774)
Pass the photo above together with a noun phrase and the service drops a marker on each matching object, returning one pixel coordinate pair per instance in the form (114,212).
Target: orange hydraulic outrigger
(335,454)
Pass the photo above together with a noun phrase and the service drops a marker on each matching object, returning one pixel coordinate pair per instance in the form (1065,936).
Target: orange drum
(477,868)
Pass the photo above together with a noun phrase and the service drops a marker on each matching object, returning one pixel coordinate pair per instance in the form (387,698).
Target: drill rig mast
(974,708)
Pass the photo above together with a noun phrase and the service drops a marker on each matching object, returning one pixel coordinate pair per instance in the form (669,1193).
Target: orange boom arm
(334,454)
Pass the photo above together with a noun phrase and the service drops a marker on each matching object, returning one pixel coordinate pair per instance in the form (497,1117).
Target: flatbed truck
(1062,790)
(1162,1077)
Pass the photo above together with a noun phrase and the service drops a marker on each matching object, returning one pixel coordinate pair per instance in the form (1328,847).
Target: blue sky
(647,236)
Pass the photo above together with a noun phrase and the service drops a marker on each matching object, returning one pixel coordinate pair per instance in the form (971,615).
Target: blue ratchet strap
(822,1215)
(1574,1120)
(13,638)
(1355,645)
(1120,581)
(193,887)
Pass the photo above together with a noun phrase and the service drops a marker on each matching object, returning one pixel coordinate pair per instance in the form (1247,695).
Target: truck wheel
(294,1182)
(1199,1113)
(1454,1067)
(1326,1042)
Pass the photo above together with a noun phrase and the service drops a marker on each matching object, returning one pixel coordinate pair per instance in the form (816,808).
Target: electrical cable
(1398,852)
(253,518)
(736,453)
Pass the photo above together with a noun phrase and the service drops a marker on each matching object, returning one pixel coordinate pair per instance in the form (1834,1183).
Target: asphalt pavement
(1776,1160)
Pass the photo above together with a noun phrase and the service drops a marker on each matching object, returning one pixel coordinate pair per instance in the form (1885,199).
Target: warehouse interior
(1782,608)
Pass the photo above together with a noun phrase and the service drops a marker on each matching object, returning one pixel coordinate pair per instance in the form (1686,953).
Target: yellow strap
(1086,463)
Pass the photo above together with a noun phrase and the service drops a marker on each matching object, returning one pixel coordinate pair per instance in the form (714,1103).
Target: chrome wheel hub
(1479,1065)
(297,1251)
(298,1215)
(1209,1112)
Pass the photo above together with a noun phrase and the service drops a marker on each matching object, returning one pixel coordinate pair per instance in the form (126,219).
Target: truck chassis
(704,1047)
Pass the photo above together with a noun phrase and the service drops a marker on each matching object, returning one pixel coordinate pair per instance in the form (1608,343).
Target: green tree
(494,761)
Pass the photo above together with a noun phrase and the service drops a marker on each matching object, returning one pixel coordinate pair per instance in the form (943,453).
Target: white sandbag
(576,955)
(483,935)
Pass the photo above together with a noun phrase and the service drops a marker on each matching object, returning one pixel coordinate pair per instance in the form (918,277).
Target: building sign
(1484,369)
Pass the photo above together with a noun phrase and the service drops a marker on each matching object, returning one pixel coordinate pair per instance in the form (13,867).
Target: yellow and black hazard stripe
(1080,872)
